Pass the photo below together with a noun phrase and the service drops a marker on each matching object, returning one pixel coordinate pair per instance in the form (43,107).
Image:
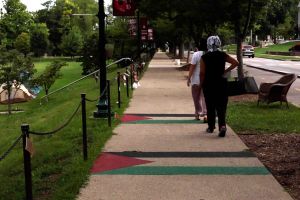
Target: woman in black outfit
(214,83)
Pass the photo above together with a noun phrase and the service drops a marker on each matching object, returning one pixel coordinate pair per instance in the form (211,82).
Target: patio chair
(277,91)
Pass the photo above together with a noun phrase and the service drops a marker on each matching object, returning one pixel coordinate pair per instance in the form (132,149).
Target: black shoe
(210,130)
(222,132)
(204,119)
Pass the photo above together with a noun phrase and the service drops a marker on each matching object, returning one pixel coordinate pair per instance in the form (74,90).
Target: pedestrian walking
(214,83)
(194,81)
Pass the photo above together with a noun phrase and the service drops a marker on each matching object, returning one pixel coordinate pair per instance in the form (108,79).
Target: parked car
(248,50)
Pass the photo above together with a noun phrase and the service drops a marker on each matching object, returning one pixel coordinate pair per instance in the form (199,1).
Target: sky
(34,5)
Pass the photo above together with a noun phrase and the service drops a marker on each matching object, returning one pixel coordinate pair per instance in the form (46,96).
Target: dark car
(248,50)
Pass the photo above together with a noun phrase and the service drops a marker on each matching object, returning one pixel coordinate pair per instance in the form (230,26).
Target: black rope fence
(125,76)
(101,95)
(5,154)
(60,127)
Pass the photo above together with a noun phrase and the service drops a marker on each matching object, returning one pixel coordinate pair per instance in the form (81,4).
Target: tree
(243,14)
(15,21)
(191,21)
(85,24)
(172,11)
(22,43)
(279,19)
(72,42)
(39,39)
(14,66)
(117,34)
(90,61)
(49,76)
(58,20)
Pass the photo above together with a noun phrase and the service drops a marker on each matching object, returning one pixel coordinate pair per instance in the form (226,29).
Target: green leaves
(49,76)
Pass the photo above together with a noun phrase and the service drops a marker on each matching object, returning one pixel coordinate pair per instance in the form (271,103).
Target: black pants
(216,100)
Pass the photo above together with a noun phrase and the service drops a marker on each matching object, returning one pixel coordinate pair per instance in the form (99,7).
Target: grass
(277,47)
(58,169)
(262,52)
(247,116)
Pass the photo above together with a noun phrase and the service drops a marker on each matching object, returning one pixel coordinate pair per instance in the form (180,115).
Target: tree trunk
(239,39)
(181,49)
(239,58)
(189,52)
(174,49)
(274,37)
(9,100)
(47,91)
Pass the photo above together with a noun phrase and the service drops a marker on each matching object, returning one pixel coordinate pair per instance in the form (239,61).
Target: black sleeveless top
(214,71)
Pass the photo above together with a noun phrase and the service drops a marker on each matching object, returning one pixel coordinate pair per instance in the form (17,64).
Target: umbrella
(18,94)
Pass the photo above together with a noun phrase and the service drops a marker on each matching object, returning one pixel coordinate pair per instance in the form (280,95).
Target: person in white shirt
(194,81)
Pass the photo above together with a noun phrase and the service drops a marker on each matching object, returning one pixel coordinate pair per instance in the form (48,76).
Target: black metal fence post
(27,163)
(127,87)
(84,137)
(131,78)
(119,91)
(108,103)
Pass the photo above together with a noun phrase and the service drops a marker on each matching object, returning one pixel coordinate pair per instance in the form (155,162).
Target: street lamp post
(298,34)
(103,102)
(138,35)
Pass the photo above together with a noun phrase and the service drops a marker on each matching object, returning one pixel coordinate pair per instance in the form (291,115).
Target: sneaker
(197,117)
(204,119)
(222,132)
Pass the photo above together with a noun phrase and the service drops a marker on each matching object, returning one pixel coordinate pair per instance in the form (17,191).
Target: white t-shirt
(195,79)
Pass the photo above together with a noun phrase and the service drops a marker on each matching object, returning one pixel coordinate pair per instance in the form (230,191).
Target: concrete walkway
(161,152)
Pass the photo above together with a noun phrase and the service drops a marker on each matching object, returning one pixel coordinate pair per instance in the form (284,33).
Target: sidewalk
(160,152)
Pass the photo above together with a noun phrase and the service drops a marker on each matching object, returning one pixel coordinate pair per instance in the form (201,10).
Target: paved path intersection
(160,152)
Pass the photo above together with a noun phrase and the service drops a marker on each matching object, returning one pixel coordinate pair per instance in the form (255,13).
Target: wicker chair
(277,91)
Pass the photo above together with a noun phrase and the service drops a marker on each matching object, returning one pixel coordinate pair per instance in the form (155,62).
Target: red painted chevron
(107,162)
(131,118)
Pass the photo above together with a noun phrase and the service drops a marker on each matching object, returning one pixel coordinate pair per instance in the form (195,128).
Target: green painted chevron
(165,122)
(184,170)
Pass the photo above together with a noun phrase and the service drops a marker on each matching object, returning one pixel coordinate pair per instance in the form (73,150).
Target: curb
(270,70)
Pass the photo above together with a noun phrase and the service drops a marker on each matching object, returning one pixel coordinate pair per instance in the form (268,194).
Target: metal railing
(68,85)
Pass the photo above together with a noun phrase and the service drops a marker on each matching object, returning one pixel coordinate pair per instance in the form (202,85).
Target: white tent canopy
(19,93)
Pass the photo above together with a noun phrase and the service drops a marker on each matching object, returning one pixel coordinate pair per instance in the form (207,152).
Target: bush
(295,48)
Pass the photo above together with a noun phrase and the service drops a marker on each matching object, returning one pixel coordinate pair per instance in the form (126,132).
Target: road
(263,71)
(274,65)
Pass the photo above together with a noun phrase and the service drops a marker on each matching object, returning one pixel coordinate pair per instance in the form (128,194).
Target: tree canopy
(57,29)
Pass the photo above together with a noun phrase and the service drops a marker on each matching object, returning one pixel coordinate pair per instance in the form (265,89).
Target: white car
(248,50)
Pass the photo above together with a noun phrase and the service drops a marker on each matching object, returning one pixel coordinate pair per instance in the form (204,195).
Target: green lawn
(263,118)
(277,47)
(58,169)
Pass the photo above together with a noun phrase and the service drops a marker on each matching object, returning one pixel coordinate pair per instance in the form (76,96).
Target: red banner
(144,23)
(144,28)
(124,7)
